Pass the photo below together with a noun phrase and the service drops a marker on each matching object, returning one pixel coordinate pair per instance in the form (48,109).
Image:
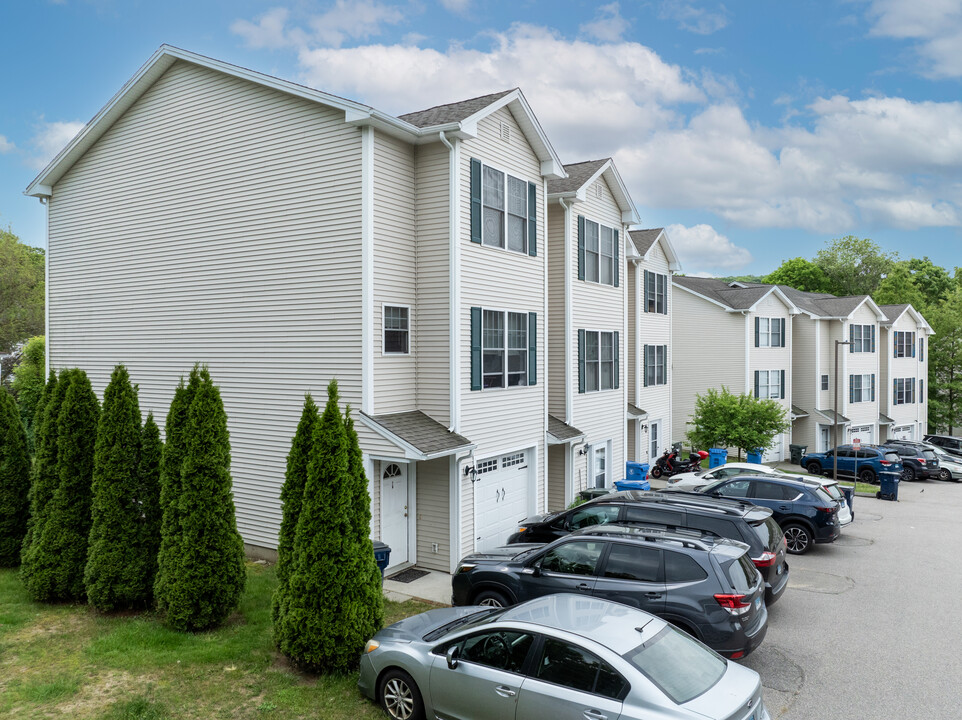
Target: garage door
(864,434)
(500,498)
(903,432)
(775,454)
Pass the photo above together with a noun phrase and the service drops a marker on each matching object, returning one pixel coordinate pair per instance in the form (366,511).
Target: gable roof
(732,299)
(644,240)
(452,112)
(421,436)
(825,305)
(355,113)
(894,312)
(581,175)
(560,432)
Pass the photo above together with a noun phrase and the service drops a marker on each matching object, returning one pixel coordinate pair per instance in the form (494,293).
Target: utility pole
(835,421)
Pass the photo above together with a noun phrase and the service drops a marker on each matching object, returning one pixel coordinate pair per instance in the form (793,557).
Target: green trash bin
(798,452)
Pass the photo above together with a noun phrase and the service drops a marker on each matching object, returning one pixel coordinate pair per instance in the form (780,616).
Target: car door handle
(584,587)
(505,691)
(786,508)
(595,715)
(653,595)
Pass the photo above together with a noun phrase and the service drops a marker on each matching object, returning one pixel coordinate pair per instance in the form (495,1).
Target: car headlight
(371,645)
(465,567)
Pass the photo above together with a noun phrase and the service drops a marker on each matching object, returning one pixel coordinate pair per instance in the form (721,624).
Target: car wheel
(400,696)
(655,472)
(491,598)
(814,468)
(798,539)
(867,476)
(908,473)
(944,474)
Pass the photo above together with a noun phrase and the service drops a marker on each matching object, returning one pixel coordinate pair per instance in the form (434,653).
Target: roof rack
(687,538)
(686,498)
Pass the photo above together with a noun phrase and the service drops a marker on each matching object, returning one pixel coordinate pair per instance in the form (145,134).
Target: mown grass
(61,661)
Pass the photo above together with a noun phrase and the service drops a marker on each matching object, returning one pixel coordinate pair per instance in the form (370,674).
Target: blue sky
(753,131)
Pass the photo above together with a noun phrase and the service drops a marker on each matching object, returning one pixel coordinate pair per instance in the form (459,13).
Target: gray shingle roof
(422,432)
(829,415)
(884,419)
(452,112)
(797,412)
(562,431)
(636,411)
(893,312)
(823,304)
(644,239)
(736,298)
(578,175)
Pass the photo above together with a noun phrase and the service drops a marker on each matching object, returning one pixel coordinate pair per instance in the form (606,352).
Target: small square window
(396,330)
(824,382)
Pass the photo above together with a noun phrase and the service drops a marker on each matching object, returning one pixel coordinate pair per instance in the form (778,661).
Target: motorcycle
(670,464)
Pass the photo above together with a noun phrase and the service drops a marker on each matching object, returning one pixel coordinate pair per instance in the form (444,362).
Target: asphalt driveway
(871,626)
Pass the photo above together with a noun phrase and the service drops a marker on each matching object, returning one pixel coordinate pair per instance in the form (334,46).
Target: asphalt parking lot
(871,626)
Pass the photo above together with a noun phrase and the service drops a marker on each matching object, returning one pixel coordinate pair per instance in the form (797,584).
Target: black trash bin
(382,554)
(888,486)
(592,493)
(798,452)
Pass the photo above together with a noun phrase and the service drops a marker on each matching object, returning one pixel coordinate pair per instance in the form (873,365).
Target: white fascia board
(879,315)
(631,252)
(674,264)
(792,308)
(410,452)
(723,306)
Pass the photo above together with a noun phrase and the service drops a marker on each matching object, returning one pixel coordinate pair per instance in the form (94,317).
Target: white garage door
(500,498)
(776,452)
(864,435)
(903,432)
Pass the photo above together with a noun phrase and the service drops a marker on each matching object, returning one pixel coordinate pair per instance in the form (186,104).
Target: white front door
(654,438)
(394,510)
(824,438)
(775,453)
(500,498)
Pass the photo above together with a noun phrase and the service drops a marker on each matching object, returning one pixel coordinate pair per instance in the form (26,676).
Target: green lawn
(67,661)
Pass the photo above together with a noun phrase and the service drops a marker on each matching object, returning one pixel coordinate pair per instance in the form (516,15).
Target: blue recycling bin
(382,555)
(755,456)
(716,457)
(632,485)
(636,470)
(888,486)
(849,493)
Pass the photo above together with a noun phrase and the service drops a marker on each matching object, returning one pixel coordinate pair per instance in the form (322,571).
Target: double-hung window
(504,201)
(824,382)
(656,292)
(770,384)
(862,338)
(599,252)
(904,344)
(903,391)
(504,349)
(861,388)
(599,360)
(769,332)
(396,330)
(656,359)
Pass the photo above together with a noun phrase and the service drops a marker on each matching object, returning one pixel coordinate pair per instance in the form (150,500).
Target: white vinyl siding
(433,511)
(866,412)
(653,328)
(196,230)
(903,391)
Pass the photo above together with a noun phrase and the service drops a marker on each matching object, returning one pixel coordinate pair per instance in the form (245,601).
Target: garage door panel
(500,499)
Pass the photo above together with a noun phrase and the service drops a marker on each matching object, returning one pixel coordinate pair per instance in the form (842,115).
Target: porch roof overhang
(884,419)
(417,435)
(828,417)
(561,433)
(797,412)
(636,413)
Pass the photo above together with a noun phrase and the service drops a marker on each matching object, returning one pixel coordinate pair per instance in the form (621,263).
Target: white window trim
(384,329)
(824,383)
(860,348)
(600,254)
(504,373)
(664,294)
(504,224)
(865,387)
(768,384)
(906,346)
(767,333)
(654,366)
(599,361)
(606,446)
(907,391)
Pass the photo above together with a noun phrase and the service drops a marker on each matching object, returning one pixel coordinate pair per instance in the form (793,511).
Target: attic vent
(599,191)
(505,132)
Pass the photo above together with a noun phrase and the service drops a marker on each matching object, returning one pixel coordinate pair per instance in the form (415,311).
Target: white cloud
(50,139)
(607,26)
(345,20)
(456,6)
(692,18)
(5,145)
(935,26)
(909,212)
(702,246)
(268,32)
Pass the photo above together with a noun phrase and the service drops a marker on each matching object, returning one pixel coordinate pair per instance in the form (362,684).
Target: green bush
(14,481)
(28,384)
(334,602)
(115,572)
(61,553)
(292,494)
(147,536)
(207,576)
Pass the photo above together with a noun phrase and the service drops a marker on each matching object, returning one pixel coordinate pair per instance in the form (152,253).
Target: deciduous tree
(28,384)
(723,419)
(14,481)
(800,274)
(21,290)
(854,266)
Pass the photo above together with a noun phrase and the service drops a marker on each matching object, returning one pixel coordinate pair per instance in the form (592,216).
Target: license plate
(778,570)
(758,604)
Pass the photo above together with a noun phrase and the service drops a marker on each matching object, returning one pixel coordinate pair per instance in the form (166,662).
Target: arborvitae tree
(208,574)
(44,477)
(14,481)
(176,432)
(62,546)
(291,494)
(326,617)
(148,499)
(114,571)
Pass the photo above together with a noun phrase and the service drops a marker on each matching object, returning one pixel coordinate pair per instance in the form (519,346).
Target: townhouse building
(904,369)
(736,335)
(285,237)
(650,343)
(588,216)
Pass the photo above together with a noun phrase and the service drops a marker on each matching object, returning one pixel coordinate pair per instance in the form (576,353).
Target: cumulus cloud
(608,25)
(5,145)
(934,25)
(267,32)
(49,139)
(701,246)
(456,6)
(693,18)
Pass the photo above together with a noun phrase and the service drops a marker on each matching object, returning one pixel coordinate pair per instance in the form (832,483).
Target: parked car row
(932,459)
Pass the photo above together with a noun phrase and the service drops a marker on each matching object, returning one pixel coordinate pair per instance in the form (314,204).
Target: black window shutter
(476,202)
(851,388)
(617,362)
(851,338)
(921,349)
(783,331)
(617,261)
(782,385)
(895,391)
(873,387)
(756,383)
(757,322)
(873,338)
(475,348)
(647,288)
(913,344)
(581,361)
(532,220)
(895,344)
(647,363)
(532,348)
(581,247)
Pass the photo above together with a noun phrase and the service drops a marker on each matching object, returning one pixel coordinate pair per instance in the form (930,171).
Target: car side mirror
(534,570)
(452,656)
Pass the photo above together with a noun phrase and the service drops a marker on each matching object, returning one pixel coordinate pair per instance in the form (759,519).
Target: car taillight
(735,604)
(922,460)
(766,560)
(828,510)
(886,463)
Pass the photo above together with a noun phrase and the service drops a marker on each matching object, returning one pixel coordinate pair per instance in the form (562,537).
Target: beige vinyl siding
(557,460)
(432,330)
(395,270)
(828,332)
(433,514)
(556,310)
(655,329)
(777,358)
(633,274)
(866,363)
(805,380)
(217,221)
(599,415)
(719,332)
(508,419)
(910,367)
(630,453)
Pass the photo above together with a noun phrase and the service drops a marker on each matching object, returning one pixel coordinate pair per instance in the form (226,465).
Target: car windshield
(769,532)
(833,491)
(712,486)
(679,665)
(481,617)
(929,455)
(892,457)
(742,574)
(824,496)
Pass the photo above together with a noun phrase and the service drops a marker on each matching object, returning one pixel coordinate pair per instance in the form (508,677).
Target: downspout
(454,280)
(45,201)
(543,467)
(567,338)
(367,270)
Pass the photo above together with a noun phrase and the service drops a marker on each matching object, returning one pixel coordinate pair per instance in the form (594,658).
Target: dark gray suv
(706,585)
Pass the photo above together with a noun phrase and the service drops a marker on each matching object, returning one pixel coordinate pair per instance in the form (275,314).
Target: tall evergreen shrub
(14,481)
(176,432)
(291,495)
(114,574)
(148,498)
(61,554)
(208,574)
(332,607)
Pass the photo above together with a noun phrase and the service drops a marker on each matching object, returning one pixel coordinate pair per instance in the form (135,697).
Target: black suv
(732,519)
(803,509)
(704,584)
(918,462)
(949,443)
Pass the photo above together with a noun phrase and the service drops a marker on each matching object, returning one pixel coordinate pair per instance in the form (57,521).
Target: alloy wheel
(491,602)
(797,539)
(945,475)
(398,699)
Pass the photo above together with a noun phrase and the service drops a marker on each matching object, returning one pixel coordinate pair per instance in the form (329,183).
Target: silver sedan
(564,657)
